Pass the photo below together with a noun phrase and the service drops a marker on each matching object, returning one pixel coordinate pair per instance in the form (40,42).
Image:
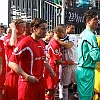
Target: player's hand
(56,38)
(32,79)
(0,70)
(52,73)
(70,62)
(47,55)
(12,25)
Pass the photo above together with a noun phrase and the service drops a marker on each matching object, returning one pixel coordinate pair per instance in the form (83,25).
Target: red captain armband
(66,62)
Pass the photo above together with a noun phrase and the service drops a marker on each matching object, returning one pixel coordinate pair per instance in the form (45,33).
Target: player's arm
(67,62)
(47,66)
(57,56)
(67,45)
(13,38)
(0,65)
(21,72)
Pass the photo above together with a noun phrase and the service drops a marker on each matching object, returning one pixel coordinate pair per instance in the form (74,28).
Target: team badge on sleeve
(56,51)
(16,50)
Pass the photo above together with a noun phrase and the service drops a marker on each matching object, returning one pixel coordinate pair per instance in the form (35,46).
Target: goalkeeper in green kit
(88,56)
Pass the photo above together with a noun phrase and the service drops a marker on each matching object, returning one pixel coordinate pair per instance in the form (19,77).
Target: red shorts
(2,81)
(11,87)
(31,91)
(51,82)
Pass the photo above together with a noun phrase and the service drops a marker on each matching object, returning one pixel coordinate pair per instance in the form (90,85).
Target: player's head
(70,28)
(91,19)
(49,35)
(27,30)
(60,31)
(1,29)
(39,27)
(8,31)
(20,25)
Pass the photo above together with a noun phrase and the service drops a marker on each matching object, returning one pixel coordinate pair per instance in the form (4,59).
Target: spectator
(84,4)
(56,1)
(69,3)
(97,4)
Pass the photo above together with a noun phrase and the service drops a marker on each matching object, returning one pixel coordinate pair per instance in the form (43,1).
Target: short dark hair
(37,21)
(1,26)
(59,28)
(69,24)
(89,15)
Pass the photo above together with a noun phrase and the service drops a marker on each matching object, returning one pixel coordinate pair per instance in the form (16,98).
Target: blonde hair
(18,21)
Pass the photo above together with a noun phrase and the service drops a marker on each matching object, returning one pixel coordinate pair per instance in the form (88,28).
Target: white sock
(60,91)
(65,93)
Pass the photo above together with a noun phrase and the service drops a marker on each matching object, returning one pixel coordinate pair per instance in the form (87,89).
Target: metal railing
(29,9)
(53,13)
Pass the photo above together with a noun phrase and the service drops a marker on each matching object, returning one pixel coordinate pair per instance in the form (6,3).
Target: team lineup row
(29,67)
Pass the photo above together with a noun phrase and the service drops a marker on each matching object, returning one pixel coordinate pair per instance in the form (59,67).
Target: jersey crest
(56,51)
(16,50)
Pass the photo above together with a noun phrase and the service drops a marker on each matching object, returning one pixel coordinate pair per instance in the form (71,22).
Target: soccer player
(69,71)
(88,55)
(54,60)
(28,61)
(8,31)
(48,37)
(10,41)
(27,30)
(2,67)
(2,34)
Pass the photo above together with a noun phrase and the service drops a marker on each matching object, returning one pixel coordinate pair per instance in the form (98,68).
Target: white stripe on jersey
(53,50)
(27,48)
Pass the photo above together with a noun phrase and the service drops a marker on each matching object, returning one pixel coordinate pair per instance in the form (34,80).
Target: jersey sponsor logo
(38,58)
(16,50)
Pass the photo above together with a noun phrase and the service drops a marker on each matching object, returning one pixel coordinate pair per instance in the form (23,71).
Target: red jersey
(30,55)
(2,55)
(11,82)
(9,49)
(55,54)
(54,51)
